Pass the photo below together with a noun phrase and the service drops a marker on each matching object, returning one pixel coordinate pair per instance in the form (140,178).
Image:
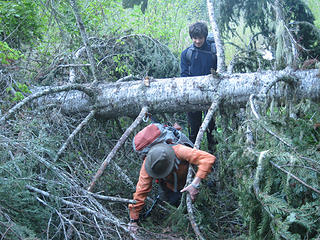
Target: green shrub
(20,22)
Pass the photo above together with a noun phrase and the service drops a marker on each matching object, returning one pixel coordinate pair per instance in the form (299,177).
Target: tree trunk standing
(221,66)
(83,34)
(182,94)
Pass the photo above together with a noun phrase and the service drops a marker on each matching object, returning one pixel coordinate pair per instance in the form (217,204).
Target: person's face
(198,41)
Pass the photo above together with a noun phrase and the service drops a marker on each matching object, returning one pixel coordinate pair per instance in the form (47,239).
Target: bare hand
(177,126)
(192,191)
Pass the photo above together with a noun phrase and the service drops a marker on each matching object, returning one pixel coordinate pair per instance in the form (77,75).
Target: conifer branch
(9,225)
(117,147)
(312,26)
(256,182)
(202,129)
(59,172)
(295,177)
(257,116)
(253,109)
(301,166)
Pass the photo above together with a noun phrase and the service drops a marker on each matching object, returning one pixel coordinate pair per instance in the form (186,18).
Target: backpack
(210,40)
(157,133)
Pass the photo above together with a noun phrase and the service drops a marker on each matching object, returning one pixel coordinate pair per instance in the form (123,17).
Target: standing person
(169,165)
(198,60)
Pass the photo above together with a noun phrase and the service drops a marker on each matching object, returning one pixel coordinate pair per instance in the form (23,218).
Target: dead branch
(40,93)
(249,136)
(112,199)
(116,148)
(105,217)
(72,72)
(202,129)
(123,175)
(213,108)
(192,219)
(74,65)
(9,224)
(126,78)
(78,53)
(72,135)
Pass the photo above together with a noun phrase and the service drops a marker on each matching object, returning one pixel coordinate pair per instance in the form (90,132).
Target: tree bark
(83,34)
(221,66)
(183,94)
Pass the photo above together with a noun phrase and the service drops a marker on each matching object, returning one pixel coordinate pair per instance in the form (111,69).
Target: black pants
(169,196)
(194,122)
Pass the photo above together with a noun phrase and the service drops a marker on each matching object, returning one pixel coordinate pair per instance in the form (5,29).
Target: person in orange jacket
(169,165)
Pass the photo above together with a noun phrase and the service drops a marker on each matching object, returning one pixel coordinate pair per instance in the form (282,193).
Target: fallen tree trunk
(184,94)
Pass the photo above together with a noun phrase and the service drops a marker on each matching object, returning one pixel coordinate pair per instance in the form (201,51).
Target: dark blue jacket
(201,62)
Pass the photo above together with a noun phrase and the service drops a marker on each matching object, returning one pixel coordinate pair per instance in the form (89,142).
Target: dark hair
(198,30)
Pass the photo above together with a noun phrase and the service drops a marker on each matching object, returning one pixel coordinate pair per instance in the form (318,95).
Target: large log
(183,94)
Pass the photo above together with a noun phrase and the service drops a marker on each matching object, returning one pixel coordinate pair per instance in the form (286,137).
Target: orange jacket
(202,159)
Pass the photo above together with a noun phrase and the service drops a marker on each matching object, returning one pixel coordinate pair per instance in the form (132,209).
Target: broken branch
(116,148)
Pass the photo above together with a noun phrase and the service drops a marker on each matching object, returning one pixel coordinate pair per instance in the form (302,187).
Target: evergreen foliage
(289,39)
(274,204)
(266,188)
(137,55)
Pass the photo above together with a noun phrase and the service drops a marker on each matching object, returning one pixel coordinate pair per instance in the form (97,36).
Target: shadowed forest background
(265,183)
